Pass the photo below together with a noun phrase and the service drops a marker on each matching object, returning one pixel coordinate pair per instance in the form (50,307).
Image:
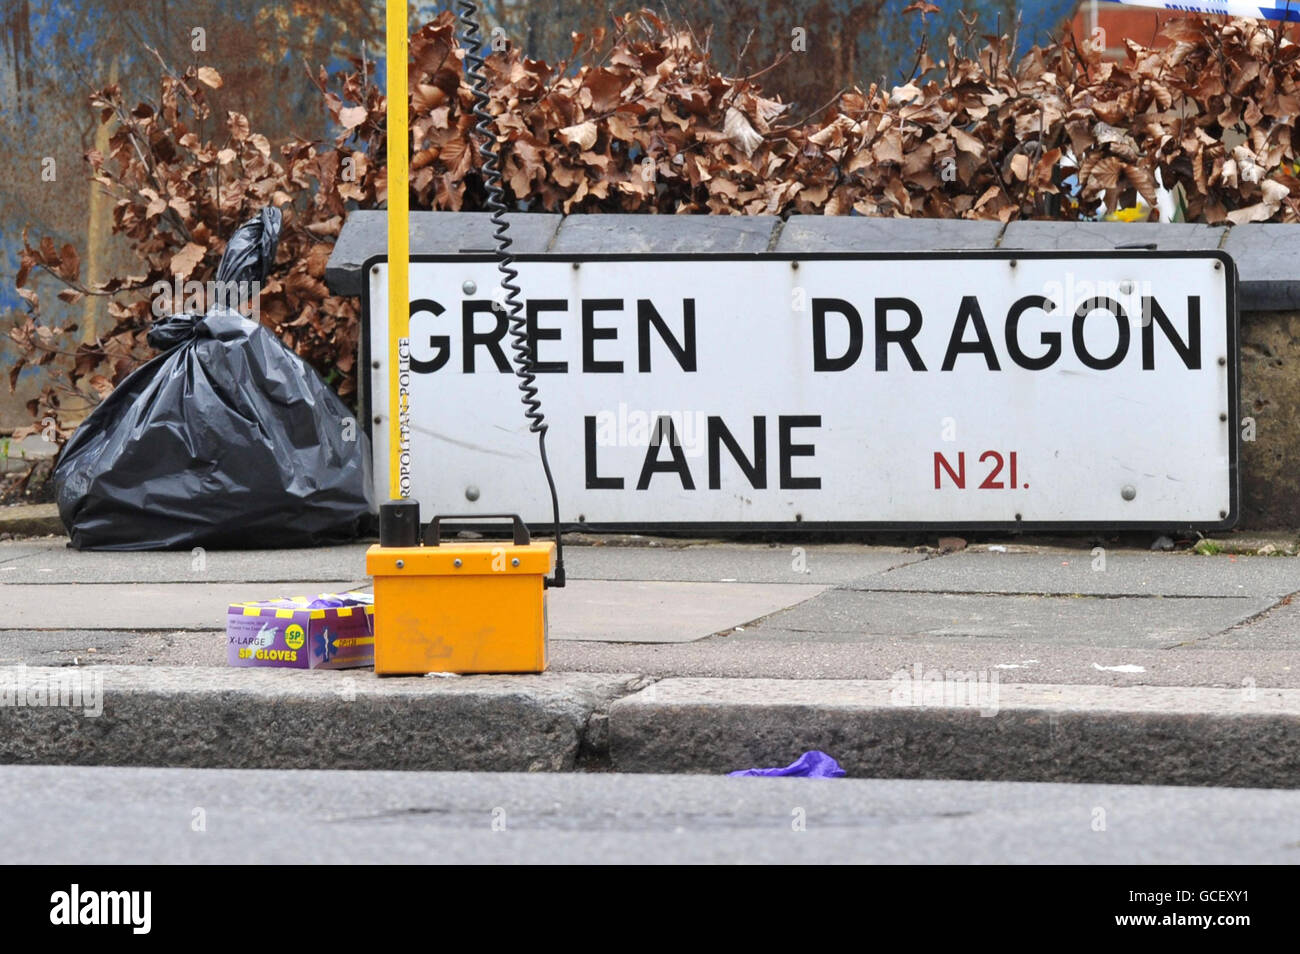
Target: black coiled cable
(518,327)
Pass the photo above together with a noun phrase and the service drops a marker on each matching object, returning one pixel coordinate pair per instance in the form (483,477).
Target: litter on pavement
(226,439)
(812,764)
(332,631)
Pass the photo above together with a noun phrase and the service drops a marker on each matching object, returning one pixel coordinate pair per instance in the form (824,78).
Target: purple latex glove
(812,764)
(332,601)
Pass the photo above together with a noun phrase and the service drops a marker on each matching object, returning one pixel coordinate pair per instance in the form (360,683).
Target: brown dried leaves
(640,120)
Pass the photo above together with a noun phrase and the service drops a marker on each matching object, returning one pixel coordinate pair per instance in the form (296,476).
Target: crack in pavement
(1241,623)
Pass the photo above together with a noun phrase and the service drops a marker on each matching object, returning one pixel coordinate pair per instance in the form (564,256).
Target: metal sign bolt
(401,563)
(456,563)
(468,287)
(471,492)
(1128,492)
(515,561)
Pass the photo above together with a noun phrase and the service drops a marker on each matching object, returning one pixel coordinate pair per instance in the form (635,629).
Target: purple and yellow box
(331,631)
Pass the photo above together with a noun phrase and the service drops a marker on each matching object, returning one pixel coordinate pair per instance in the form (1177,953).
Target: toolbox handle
(432,533)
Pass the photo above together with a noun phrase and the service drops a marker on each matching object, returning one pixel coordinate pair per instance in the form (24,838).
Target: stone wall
(1270,405)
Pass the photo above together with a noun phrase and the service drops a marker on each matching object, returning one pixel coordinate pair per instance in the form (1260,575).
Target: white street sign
(1228,8)
(951,390)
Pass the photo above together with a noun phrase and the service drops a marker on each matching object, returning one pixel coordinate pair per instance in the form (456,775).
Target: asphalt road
(130,815)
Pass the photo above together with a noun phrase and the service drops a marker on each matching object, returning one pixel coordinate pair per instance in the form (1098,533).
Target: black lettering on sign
(591,334)
(821,307)
(1052,339)
(902,337)
(652,463)
(440,344)
(1121,346)
(755,472)
(536,334)
(594,480)
(683,351)
(790,450)
(489,339)
(1189,350)
(969,314)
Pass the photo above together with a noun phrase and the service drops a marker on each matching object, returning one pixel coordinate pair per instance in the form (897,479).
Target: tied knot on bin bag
(226,439)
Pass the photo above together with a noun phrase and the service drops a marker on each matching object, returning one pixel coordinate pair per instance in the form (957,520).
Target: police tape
(1228,8)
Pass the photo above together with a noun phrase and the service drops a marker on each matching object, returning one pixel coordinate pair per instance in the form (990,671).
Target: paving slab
(52,561)
(862,616)
(662,612)
(1278,629)
(1186,665)
(757,563)
(1123,573)
(141,606)
(667,612)
(882,658)
(11,550)
(280,718)
(614,611)
(935,729)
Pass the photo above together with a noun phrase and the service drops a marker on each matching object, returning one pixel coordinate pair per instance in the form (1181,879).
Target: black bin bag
(228,439)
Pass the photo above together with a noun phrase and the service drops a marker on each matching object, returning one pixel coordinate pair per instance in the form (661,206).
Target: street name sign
(958,390)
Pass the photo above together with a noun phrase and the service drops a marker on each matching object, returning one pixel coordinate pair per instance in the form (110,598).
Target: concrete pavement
(607,610)
(803,622)
(1037,614)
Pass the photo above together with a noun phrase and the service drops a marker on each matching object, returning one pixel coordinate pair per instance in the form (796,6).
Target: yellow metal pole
(399,311)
